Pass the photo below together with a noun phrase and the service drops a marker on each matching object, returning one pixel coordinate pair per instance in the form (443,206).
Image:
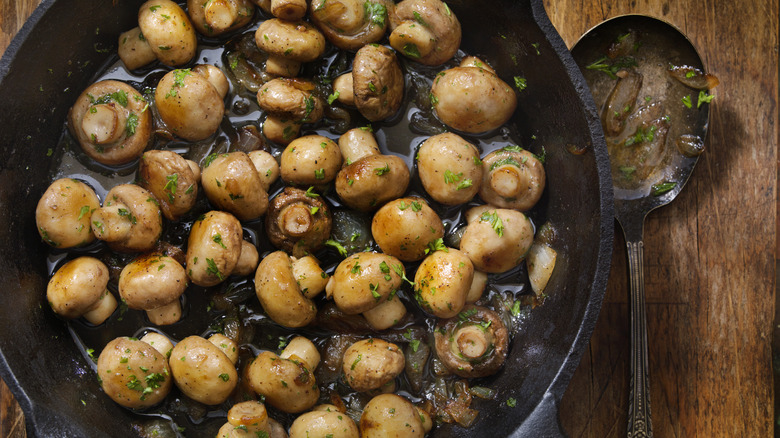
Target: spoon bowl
(655,132)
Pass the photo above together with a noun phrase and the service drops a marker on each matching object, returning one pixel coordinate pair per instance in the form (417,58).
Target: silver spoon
(647,171)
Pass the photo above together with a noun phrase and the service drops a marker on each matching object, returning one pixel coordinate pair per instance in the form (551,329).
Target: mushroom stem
(112,223)
(412,39)
(104,123)
(165,315)
(471,342)
(220,14)
(304,350)
(344,86)
(508,181)
(250,414)
(289,10)
(102,309)
(356,144)
(295,220)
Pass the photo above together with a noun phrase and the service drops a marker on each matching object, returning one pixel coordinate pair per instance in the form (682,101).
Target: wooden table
(709,256)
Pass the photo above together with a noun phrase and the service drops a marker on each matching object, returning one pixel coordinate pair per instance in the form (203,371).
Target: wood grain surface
(709,256)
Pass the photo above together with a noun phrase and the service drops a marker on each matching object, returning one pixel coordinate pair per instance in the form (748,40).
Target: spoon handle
(639,424)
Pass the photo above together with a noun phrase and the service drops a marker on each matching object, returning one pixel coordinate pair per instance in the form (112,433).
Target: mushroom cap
(442,282)
(213,248)
(406,228)
(202,371)
(151,281)
(279,292)
(350,24)
(377,81)
(77,286)
(311,160)
(364,280)
(389,415)
(512,178)
(286,384)
(133,373)
(324,423)
(297,223)
(134,130)
(168,30)
(449,168)
(293,40)
(292,99)
(130,220)
(63,213)
(189,104)
(370,182)
(371,363)
(485,323)
(496,240)
(434,16)
(231,183)
(169,177)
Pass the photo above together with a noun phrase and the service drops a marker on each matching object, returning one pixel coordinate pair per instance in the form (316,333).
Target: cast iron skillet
(62,47)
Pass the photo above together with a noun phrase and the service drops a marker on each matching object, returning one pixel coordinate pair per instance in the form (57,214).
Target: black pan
(58,53)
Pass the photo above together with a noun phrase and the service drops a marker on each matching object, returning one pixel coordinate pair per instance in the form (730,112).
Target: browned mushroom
(129,221)
(512,178)
(472,344)
(111,122)
(232,183)
(189,103)
(215,17)
(298,222)
(78,288)
(64,211)
(289,103)
(288,44)
(154,282)
(350,24)
(311,160)
(373,180)
(167,29)
(172,180)
(426,31)
(377,82)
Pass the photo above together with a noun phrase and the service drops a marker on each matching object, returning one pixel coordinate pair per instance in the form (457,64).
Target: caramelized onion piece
(621,101)
(693,77)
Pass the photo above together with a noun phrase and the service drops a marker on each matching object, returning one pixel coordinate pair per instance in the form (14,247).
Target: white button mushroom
(170,178)
(311,160)
(78,288)
(247,260)
(350,24)
(370,182)
(288,44)
(202,371)
(450,169)
(389,415)
(133,373)
(232,183)
(213,248)
(280,294)
(227,345)
(496,240)
(129,221)
(309,275)
(216,17)
(442,282)
(63,213)
(472,99)
(302,349)
(154,282)
(321,424)
(358,143)
(425,31)
(286,384)
(377,82)
(372,363)
(160,342)
(512,178)
(189,104)
(111,122)
(134,51)
(474,344)
(267,167)
(387,314)
(288,103)
(365,280)
(407,228)
(168,30)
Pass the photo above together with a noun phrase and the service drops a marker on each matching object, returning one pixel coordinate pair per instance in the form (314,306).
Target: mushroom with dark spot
(377,82)
(232,183)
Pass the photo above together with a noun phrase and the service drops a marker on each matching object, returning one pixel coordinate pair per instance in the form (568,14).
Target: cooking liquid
(231,307)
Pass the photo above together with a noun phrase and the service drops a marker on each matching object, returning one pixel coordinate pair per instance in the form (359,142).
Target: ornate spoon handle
(639,424)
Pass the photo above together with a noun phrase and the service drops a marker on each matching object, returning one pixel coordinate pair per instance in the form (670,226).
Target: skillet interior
(59,51)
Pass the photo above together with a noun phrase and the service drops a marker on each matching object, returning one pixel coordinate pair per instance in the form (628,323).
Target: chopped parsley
(520,83)
(661,188)
(610,68)
(212,269)
(494,221)
(704,98)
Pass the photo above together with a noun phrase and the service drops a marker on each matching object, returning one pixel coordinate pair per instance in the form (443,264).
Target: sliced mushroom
(311,160)
(129,221)
(350,24)
(496,240)
(474,344)
(232,183)
(472,99)
(279,292)
(215,17)
(111,122)
(512,178)
(289,103)
(189,104)
(449,168)
(168,30)
(425,31)
(78,288)
(286,384)
(170,178)
(365,280)
(288,44)
(133,373)
(407,228)
(298,222)
(442,282)
(213,248)
(202,371)
(372,363)
(63,213)
(377,81)
(370,182)
(154,282)
(390,415)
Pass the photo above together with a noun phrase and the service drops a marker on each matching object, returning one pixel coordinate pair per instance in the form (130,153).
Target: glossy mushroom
(372,363)
(248,418)
(389,415)
(134,50)
(111,122)
(316,423)
(202,371)
(442,282)
(288,44)
(371,181)
(172,181)
(232,183)
(377,82)
(189,104)
(167,29)
(496,240)
(280,294)
(154,282)
(473,344)
(129,221)
(289,103)
(357,143)
(287,384)
(63,213)
(133,373)
(311,160)
(298,222)
(450,168)
(365,280)
(407,228)
(512,178)
(213,248)
(267,167)
(350,24)
(216,17)
(78,288)
(425,31)
(472,99)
